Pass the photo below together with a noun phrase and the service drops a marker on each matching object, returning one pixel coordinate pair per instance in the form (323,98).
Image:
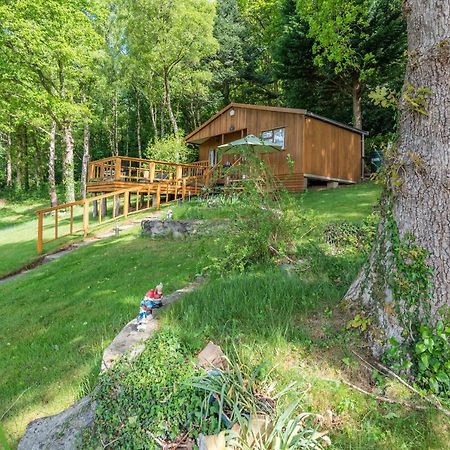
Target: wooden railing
(223,173)
(79,217)
(138,170)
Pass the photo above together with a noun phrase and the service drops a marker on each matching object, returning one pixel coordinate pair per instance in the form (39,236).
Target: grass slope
(56,321)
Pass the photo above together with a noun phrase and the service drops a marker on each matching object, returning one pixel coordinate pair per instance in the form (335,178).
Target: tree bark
(68,164)
(9,172)
(153,115)
(138,126)
(51,166)
(168,102)
(356,94)
(115,131)
(86,157)
(419,197)
(26,160)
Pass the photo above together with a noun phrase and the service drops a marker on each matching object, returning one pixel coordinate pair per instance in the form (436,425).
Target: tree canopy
(83,80)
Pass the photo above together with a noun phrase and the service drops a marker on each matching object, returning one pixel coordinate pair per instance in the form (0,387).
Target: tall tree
(345,40)
(407,280)
(164,38)
(54,43)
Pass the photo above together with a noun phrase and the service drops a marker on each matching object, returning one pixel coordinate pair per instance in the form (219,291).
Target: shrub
(171,149)
(149,399)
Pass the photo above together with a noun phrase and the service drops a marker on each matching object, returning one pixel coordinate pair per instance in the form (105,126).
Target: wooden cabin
(314,148)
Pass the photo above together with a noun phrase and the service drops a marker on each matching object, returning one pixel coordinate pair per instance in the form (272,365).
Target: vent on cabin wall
(232,128)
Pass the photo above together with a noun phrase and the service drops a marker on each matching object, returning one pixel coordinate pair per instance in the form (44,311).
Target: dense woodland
(83,80)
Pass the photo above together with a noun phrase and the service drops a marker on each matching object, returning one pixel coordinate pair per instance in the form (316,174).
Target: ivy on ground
(149,400)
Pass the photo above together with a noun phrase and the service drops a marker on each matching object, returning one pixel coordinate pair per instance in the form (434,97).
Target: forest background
(82,80)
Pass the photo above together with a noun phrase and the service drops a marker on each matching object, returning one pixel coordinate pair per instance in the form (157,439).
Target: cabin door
(213,160)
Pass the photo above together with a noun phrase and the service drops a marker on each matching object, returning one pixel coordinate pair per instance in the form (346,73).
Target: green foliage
(384,97)
(432,356)
(153,396)
(359,322)
(352,236)
(171,149)
(417,98)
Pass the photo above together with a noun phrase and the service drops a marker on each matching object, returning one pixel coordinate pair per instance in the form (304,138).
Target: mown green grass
(18,232)
(56,321)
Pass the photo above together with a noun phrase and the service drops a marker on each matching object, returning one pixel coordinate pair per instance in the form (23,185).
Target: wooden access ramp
(118,187)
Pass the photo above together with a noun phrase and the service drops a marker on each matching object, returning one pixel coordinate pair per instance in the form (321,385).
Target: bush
(171,149)
(151,398)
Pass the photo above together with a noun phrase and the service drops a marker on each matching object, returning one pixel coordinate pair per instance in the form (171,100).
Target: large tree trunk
(356,95)
(416,201)
(86,156)
(68,165)
(9,171)
(168,102)
(51,166)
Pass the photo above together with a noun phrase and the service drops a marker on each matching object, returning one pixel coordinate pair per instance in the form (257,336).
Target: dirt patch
(332,344)
(2,202)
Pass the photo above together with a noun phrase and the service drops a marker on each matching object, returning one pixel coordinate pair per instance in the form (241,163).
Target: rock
(212,357)
(61,431)
(172,228)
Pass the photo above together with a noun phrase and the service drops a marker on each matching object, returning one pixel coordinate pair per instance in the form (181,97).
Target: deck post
(152,172)
(40,243)
(85,218)
(179,172)
(118,169)
(126,203)
(56,224)
(71,219)
(183,191)
(94,209)
(158,197)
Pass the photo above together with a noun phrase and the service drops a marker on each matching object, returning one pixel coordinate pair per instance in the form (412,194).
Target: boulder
(62,431)
(171,228)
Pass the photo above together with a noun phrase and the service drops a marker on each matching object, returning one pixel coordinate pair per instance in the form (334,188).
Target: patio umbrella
(251,144)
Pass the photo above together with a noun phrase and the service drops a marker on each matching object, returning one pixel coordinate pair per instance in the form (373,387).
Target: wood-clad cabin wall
(331,151)
(248,121)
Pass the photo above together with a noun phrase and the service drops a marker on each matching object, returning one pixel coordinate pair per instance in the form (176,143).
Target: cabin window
(276,136)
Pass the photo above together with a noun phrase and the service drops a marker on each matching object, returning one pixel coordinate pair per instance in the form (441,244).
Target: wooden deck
(118,187)
(110,174)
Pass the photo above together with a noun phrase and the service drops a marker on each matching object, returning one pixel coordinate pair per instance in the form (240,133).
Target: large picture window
(276,136)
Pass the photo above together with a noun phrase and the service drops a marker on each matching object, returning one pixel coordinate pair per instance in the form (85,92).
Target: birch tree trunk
(416,202)
(51,166)
(168,102)
(153,115)
(138,126)
(68,165)
(9,172)
(86,157)
(114,135)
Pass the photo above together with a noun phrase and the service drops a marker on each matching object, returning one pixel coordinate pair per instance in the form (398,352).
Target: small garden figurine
(151,300)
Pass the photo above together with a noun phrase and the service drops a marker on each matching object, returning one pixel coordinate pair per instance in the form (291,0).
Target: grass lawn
(18,232)
(56,321)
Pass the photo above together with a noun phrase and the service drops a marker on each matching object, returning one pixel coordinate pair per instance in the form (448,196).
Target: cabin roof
(190,136)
